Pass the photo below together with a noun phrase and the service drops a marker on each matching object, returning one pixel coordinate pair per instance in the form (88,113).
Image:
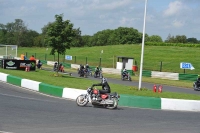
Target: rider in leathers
(198,80)
(105,87)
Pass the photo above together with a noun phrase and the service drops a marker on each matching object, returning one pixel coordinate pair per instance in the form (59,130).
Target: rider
(105,87)
(55,66)
(198,80)
(87,67)
(97,70)
(81,69)
(124,72)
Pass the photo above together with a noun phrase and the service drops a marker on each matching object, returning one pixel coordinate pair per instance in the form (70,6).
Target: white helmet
(104,80)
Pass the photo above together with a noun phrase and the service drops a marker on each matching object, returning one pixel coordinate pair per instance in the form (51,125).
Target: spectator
(61,67)
(39,64)
(32,57)
(22,56)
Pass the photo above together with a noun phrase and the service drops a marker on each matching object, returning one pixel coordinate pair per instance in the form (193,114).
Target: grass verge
(82,83)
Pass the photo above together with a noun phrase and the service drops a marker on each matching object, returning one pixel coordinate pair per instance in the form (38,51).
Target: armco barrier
(14,80)
(165,75)
(3,77)
(67,65)
(50,89)
(146,73)
(179,104)
(75,66)
(139,101)
(72,93)
(191,77)
(125,100)
(30,84)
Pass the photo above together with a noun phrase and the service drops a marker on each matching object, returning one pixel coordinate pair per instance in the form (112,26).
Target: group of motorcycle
(88,72)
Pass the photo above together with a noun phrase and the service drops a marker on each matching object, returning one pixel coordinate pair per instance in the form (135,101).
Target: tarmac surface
(25,111)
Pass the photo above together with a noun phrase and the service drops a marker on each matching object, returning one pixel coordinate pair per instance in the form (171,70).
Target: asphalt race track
(24,111)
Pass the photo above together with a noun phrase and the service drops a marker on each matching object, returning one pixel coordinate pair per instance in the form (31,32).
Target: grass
(82,83)
(153,55)
(170,56)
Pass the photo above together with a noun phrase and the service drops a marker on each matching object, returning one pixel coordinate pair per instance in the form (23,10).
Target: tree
(16,33)
(86,39)
(59,35)
(154,38)
(181,39)
(77,40)
(192,40)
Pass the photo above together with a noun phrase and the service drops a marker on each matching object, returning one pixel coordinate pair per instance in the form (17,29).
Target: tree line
(17,33)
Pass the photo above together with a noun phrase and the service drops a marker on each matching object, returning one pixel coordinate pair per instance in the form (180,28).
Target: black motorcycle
(98,74)
(196,86)
(126,77)
(82,73)
(108,100)
(88,72)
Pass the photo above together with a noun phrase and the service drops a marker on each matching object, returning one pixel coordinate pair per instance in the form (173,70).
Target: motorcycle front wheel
(81,100)
(114,105)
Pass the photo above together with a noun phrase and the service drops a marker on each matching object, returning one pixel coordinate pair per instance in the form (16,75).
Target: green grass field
(171,57)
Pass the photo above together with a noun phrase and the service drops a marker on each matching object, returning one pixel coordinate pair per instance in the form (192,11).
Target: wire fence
(162,66)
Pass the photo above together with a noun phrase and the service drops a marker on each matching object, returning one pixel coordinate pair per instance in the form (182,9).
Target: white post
(142,51)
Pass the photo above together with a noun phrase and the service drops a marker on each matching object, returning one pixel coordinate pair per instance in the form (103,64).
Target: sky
(164,17)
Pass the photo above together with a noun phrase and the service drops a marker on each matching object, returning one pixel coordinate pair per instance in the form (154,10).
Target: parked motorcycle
(82,73)
(196,86)
(108,100)
(98,74)
(89,72)
(127,76)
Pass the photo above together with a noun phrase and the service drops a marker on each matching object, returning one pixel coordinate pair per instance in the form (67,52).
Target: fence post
(64,58)
(161,66)
(45,56)
(100,62)
(75,60)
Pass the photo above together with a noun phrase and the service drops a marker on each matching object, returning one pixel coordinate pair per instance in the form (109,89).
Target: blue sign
(68,57)
(185,65)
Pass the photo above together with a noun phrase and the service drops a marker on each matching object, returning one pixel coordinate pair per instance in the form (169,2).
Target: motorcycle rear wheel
(90,73)
(114,106)
(81,101)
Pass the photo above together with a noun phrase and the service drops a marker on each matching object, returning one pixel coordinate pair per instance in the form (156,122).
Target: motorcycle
(98,74)
(89,72)
(108,100)
(196,86)
(82,73)
(127,76)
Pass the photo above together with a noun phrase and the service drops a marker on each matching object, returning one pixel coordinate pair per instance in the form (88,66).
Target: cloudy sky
(164,17)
